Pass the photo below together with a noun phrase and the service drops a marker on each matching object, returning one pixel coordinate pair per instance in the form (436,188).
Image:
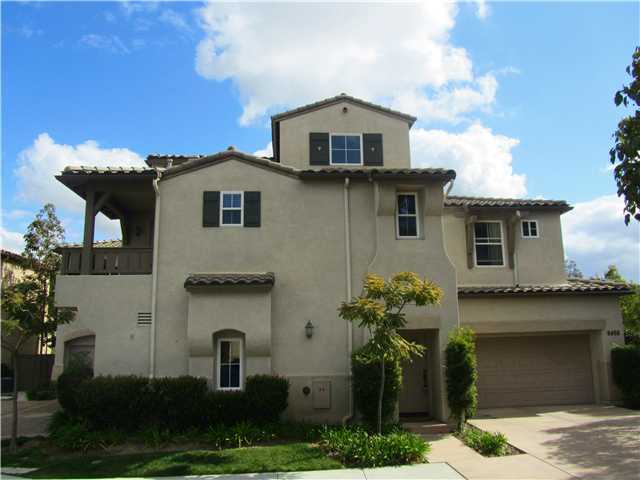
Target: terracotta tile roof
(490,202)
(390,173)
(574,286)
(215,279)
(341,98)
(96,244)
(84,170)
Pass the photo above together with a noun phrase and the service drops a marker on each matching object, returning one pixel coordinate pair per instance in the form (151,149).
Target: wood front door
(415,394)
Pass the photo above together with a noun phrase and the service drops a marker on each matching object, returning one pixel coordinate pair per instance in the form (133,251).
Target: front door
(414,397)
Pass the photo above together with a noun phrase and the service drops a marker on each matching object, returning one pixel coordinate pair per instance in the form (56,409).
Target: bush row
(489,444)
(625,363)
(134,403)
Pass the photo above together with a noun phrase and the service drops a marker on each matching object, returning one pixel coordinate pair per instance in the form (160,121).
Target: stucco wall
(539,260)
(108,307)
(302,240)
(294,133)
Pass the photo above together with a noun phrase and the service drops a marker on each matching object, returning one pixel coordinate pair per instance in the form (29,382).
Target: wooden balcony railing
(109,261)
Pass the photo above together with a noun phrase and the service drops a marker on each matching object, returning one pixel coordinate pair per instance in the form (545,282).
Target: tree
(462,392)
(380,309)
(22,306)
(28,308)
(629,306)
(624,154)
(43,237)
(571,267)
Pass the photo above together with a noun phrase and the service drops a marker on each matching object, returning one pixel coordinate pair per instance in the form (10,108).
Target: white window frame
(475,254)
(530,220)
(345,134)
(219,364)
(416,215)
(222,209)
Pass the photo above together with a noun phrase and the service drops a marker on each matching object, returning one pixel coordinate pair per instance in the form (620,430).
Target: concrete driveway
(33,417)
(586,441)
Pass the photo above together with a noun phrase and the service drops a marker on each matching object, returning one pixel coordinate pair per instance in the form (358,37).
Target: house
(232,265)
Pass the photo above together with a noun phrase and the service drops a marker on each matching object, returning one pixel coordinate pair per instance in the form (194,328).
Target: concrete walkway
(33,417)
(586,441)
(427,471)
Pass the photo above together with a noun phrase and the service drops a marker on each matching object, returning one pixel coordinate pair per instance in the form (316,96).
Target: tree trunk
(13,447)
(380,396)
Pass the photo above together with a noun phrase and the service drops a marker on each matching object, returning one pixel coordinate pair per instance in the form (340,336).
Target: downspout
(516,277)
(448,190)
(154,278)
(347,249)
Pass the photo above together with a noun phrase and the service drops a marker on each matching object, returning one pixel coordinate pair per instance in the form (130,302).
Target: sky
(516,97)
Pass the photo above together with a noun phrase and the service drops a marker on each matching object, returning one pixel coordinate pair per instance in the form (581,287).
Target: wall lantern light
(308,329)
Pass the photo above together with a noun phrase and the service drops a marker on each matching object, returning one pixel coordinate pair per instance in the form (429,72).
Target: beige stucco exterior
(320,237)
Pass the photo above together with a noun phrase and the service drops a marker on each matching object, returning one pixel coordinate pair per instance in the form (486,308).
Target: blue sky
(516,96)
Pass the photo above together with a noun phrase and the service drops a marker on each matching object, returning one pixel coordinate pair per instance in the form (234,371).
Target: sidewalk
(425,471)
(33,417)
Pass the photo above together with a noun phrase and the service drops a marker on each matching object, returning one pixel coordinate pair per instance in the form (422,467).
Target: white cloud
(267,151)
(12,241)
(110,43)
(378,53)
(38,164)
(174,19)
(595,236)
(483,160)
(482,9)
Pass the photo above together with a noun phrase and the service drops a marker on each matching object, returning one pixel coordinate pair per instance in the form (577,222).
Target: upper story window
(229,364)
(407,215)
(231,211)
(488,244)
(346,149)
(530,229)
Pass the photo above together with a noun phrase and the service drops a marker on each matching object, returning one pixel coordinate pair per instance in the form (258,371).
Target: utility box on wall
(321,394)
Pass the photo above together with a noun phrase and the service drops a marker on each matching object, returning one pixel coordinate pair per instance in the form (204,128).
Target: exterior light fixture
(308,329)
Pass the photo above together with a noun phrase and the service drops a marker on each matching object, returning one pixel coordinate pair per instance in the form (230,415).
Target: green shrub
(227,408)
(486,443)
(68,382)
(267,395)
(71,433)
(47,392)
(366,387)
(357,447)
(462,393)
(625,364)
(177,401)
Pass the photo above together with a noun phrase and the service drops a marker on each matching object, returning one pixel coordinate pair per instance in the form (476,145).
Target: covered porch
(123,194)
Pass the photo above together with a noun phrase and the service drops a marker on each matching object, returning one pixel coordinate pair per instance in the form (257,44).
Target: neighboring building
(14,268)
(228,260)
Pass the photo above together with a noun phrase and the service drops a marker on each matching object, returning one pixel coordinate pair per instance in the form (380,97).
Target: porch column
(89,227)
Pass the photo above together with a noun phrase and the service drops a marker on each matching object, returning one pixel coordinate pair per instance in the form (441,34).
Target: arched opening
(81,350)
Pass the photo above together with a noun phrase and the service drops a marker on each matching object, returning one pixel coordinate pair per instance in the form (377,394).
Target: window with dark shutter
(372,149)
(211,209)
(251,209)
(318,148)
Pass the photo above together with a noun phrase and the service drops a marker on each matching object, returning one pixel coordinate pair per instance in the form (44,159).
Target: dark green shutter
(211,209)
(372,149)
(251,209)
(319,148)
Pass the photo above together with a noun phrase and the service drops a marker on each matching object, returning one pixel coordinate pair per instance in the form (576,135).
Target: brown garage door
(534,370)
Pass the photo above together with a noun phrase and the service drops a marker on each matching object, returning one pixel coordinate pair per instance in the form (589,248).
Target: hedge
(69,382)
(625,363)
(461,371)
(133,403)
(366,387)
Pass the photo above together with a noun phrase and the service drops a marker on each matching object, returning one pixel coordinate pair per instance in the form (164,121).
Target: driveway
(33,417)
(586,441)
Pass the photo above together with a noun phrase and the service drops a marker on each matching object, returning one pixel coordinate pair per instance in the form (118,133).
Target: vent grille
(144,319)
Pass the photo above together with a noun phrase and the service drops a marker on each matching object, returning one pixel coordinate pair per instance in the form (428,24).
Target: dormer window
(346,149)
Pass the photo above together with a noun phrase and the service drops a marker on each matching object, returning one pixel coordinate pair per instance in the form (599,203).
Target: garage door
(534,370)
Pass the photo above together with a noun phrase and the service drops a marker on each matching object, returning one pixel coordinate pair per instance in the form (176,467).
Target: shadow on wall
(582,445)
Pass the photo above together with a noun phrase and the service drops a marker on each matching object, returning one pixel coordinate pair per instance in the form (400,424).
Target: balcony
(108,261)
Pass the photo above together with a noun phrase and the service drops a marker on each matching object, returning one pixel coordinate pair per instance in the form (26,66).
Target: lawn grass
(281,458)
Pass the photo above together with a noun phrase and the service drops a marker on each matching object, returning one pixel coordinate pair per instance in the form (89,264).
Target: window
(229,364)
(231,211)
(530,229)
(407,215)
(488,244)
(345,150)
